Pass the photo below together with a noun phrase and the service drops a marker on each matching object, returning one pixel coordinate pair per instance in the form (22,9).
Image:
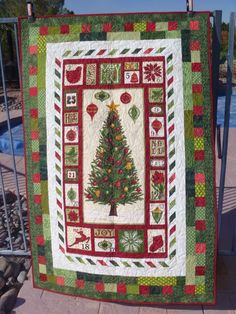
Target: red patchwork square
(33,49)
(200,201)
(35,156)
(60,281)
(197,88)
(199,155)
(194,25)
(195,45)
(198,132)
(64,29)
(129,27)
(40,240)
(151,27)
(43,277)
(41,260)
(200,225)
(34,113)
(167,290)
(196,67)
(38,220)
(200,270)
(86,28)
(107,27)
(200,178)
(121,288)
(34,135)
(37,199)
(79,283)
(43,30)
(36,177)
(189,289)
(200,248)
(33,91)
(172,26)
(198,110)
(144,290)
(99,286)
(33,70)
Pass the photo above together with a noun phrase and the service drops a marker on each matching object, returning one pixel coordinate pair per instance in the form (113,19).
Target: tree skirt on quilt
(119,156)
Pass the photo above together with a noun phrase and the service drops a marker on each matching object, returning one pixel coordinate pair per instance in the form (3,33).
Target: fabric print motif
(155,95)
(91,72)
(152,72)
(71,134)
(73,74)
(113,155)
(131,241)
(110,73)
(157,185)
(71,155)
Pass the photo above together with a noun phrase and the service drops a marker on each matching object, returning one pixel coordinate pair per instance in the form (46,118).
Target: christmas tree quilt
(119,156)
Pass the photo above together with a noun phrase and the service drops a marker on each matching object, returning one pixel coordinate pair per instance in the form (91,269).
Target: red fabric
(200,225)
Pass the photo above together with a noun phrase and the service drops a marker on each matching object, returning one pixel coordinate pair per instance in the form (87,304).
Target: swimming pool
(18,138)
(221,111)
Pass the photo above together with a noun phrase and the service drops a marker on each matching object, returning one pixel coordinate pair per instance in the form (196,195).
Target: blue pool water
(18,140)
(221,110)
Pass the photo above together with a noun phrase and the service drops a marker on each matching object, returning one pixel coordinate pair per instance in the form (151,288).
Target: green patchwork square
(200,190)
(110,73)
(140,27)
(132,289)
(199,143)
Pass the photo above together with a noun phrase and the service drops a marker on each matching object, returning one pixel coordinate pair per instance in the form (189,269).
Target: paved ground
(39,302)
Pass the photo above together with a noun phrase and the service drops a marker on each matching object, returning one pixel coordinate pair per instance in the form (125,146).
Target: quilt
(119,156)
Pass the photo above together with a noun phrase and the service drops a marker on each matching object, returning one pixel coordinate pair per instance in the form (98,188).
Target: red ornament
(120,171)
(92,109)
(105,179)
(99,164)
(117,184)
(71,135)
(138,190)
(125,98)
(94,183)
(118,162)
(126,150)
(110,159)
(156,125)
(117,129)
(89,196)
(134,181)
(73,76)
(122,196)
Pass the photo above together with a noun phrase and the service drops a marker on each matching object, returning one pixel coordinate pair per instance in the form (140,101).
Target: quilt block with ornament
(119,156)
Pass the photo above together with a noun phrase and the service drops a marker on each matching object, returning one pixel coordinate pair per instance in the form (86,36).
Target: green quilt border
(188,29)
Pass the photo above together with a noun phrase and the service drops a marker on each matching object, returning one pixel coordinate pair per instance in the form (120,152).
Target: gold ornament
(112,125)
(97,193)
(119,137)
(109,170)
(126,189)
(101,150)
(113,107)
(128,165)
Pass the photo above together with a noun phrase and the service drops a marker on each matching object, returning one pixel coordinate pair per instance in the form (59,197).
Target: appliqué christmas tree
(113,179)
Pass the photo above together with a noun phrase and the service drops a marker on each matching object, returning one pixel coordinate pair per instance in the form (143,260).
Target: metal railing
(9,247)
